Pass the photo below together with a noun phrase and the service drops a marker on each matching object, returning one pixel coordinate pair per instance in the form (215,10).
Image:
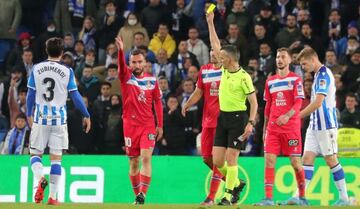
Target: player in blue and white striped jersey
(49,85)
(321,135)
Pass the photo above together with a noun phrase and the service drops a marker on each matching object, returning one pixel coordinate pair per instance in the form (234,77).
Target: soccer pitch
(149,206)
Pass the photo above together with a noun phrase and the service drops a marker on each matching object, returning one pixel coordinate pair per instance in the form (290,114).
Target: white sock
(55,174)
(339,179)
(36,167)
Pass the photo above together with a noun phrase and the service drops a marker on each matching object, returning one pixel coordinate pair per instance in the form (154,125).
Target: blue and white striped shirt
(324,117)
(52,81)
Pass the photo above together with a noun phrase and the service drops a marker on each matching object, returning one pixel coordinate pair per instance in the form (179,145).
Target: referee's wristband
(252,122)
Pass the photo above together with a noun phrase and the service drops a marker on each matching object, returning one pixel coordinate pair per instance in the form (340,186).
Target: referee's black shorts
(230,127)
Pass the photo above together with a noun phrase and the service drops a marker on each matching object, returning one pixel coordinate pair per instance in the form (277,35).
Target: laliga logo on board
(220,193)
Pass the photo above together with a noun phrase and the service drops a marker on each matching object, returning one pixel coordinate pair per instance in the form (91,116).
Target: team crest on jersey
(322,84)
(213,84)
(290,85)
(280,100)
(148,84)
(151,137)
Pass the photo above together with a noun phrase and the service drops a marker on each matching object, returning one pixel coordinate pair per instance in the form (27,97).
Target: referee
(234,125)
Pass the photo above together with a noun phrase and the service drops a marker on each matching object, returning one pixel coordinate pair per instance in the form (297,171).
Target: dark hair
(188,79)
(139,33)
(260,24)
(330,50)
(21,116)
(162,78)
(232,51)
(253,58)
(88,66)
(171,96)
(23,90)
(112,66)
(290,14)
(109,2)
(136,52)
(105,83)
(27,50)
(296,50)
(143,47)
(116,95)
(69,34)
(193,27)
(351,94)
(165,24)
(54,47)
(90,51)
(284,49)
(306,23)
(79,42)
(334,10)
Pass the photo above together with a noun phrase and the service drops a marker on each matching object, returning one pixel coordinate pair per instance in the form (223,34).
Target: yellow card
(211,8)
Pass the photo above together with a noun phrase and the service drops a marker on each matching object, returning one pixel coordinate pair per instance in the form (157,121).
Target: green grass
(149,206)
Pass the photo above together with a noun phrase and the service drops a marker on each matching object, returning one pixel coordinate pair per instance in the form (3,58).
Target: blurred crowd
(173,36)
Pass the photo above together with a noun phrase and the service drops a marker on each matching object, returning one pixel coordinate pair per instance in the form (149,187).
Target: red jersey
(281,93)
(138,96)
(209,81)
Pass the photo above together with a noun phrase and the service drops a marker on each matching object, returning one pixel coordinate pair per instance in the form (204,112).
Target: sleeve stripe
(73,89)
(250,92)
(31,87)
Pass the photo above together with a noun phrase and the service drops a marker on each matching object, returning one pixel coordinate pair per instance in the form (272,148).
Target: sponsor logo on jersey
(141,96)
(214,89)
(280,100)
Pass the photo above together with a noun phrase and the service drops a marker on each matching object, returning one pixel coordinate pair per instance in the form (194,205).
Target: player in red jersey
(208,86)
(283,95)
(140,91)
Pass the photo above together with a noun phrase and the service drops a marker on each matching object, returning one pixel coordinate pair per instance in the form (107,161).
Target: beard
(137,71)
(281,67)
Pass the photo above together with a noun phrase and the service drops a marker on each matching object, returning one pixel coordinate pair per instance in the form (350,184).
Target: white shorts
(321,142)
(55,137)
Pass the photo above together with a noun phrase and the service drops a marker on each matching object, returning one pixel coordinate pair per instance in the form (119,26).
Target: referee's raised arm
(214,39)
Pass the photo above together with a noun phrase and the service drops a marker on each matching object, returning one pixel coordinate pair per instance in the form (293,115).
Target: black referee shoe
(140,199)
(224,202)
(236,192)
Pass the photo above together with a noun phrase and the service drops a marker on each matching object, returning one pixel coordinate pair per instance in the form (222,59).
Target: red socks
(269,182)
(140,183)
(300,178)
(144,183)
(135,182)
(215,182)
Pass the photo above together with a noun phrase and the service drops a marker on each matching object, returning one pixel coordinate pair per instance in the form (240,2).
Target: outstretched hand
(119,43)
(210,17)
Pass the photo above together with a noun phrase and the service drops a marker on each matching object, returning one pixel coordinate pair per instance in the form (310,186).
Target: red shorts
(137,138)
(207,141)
(288,144)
